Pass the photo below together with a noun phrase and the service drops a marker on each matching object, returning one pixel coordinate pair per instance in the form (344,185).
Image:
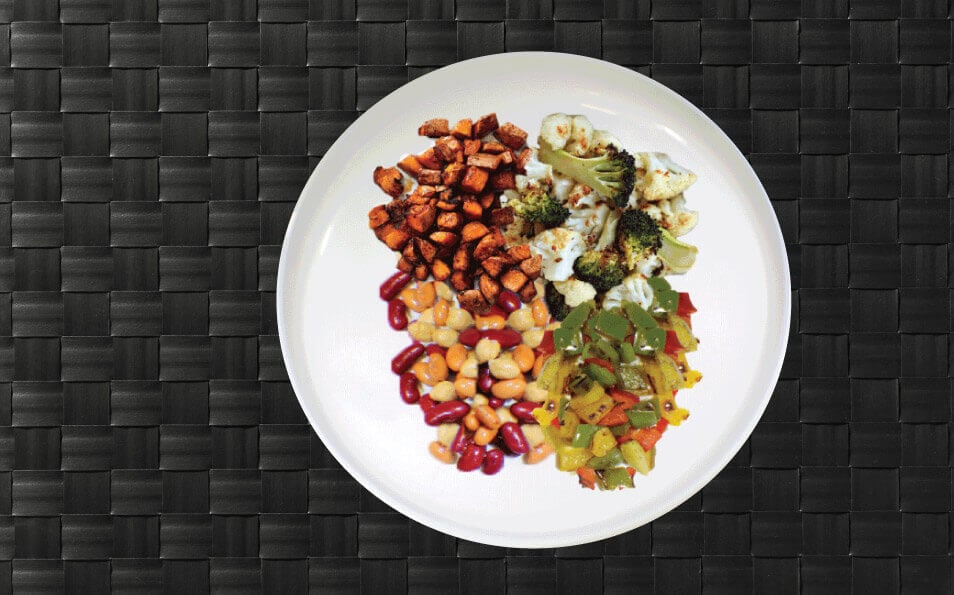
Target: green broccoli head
(537,206)
(555,301)
(638,236)
(611,174)
(601,269)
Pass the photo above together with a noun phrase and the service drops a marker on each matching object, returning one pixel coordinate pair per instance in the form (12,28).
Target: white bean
(459,319)
(486,350)
(532,338)
(443,391)
(534,393)
(503,368)
(445,337)
(520,320)
(421,331)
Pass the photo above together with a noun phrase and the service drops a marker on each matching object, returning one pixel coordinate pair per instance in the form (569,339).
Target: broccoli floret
(611,174)
(638,236)
(537,206)
(601,269)
(556,303)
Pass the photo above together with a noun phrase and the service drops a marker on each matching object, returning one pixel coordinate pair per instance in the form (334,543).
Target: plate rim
(284,283)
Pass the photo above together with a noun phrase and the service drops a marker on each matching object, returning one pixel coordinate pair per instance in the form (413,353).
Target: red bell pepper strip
(673,346)
(587,477)
(685,305)
(623,398)
(546,345)
(648,437)
(613,417)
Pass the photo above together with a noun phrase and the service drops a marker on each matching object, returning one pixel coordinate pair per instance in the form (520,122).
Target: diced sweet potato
(511,135)
(460,280)
(489,288)
(528,293)
(452,174)
(492,147)
(378,216)
(494,265)
(440,270)
(488,200)
(425,249)
(444,238)
(420,218)
(472,301)
(393,237)
(445,147)
(427,190)
(471,147)
(461,260)
(421,272)
(485,160)
(502,180)
(472,210)
(531,266)
(404,265)
(513,280)
(485,125)
(434,128)
(410,254)
(519,252)
(390,180)
(448,205)
(501,217)
(449,221)
(429,159)
(507,157)
(463,128)
(411,165)
(473,231)
(429,176)
(416,199)
(488,245)
(474,180)
(523,158)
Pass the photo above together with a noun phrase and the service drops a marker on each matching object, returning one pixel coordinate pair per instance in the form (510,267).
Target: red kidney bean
(435,348)
(393,285)
(523,410)
(426,403)
(495,403)
(403,361)
(410,392)
(507,337)
(493,461)
(461,441)
(469,337)
(508,301)
(445,413)
(472,458)
(485,380)
(497,311)
(514,439)
(397,315)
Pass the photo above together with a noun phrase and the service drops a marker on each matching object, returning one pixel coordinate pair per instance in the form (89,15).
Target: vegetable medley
(566,336)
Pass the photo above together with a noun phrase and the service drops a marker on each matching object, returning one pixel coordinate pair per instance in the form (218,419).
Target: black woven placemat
(153,151)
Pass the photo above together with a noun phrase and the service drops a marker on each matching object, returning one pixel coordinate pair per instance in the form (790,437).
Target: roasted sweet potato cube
(494,265)
(502,180)
(434,127)
(492,147)
(405,265)
(472,210)
(527,293)
(461,260)
(463,128)
(459,156)
(519,252)
(449,221)
(486,247)
(410,254)
(425,249)
(445,147)
(531,266)
(513,280)
(411,165)
(460,280)
(416,199)
(487,200)
(420,218)
(429,176)
(393,237)
(489,288)
(473,231)
(511,135)
(471,147)
(485,160)
(507,157)
(452,174)
(485,125)
(378,216)
(390,180)
(523,158)
(447,205)
(440,270)
(429,159)
(421,272)
(501,217)
(444,238)
(472,301)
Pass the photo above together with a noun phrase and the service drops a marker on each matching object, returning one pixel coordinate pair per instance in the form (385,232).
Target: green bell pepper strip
(567,339)
(640,318)
(561,410)
(612,325)
(649,341)
(632,380)
(620,430)
(577,316)
(626,353)
(584,435)
(610,459)
(668,300)
(658,284)
(600,374)
(641,419)
(615,478)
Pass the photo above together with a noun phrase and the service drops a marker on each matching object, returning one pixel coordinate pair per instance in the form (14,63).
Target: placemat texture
(153,151)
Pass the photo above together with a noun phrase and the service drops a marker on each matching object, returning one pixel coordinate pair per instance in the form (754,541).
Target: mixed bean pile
(476,368)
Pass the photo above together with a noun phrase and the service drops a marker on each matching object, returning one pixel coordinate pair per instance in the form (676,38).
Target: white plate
(337,344)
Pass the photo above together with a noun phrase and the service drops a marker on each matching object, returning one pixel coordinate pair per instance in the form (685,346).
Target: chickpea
(459,319)
(540,313)
(470,421)
(509,389)
(506,417)
(486,350)
(479,400)
(445,337)
(443,291)
(441,452)
(484,436)
(504,368)
(520,320)
(441,310)
(421,331)
(538,453)
(437,367)
(456,354)
(532,338)
(533,433)
(487,416)
(534,393)
(443,391)
(427,316)
(465,387)
(485,323)
(446,433)
(524,356)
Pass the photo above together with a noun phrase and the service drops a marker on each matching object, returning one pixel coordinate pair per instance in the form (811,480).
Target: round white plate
(338,346)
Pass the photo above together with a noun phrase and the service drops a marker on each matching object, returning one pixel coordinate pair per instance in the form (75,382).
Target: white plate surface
(337,345)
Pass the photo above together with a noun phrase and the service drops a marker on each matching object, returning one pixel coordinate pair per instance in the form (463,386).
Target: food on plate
(531,281)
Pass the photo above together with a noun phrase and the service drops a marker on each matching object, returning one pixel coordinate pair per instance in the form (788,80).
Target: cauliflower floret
(682,220)
(575,292)
(602,139)
(562,186)
(559,248)
(587,213)
(526,183)
(608,235)
(537,169)
(661,177)
(581,137)
(634,288)
(555,130)
(519,230)
(649,265)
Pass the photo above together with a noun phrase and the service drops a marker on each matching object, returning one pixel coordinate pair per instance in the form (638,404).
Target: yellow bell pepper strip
(681,327)
(569,426)
(593,412)
(570,458)
(672,413)
(603,442)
